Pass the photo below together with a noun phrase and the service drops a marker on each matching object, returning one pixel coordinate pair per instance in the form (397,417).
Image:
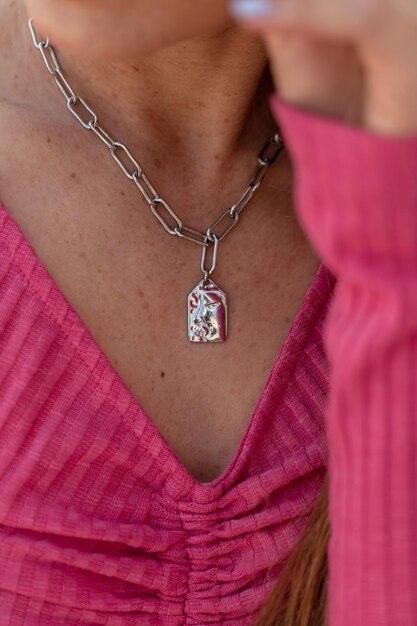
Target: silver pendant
(207,313)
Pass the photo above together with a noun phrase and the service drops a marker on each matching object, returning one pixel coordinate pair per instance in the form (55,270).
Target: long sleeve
(356,200)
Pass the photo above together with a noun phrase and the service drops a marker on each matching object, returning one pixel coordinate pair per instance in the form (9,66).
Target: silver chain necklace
(206,304)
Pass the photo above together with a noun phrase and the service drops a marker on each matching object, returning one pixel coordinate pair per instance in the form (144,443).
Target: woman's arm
(349,70)
(356,195)
(351,59)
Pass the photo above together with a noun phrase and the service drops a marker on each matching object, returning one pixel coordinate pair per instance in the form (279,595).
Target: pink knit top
(100,522)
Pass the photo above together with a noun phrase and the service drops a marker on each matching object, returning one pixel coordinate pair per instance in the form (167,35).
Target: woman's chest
(128,281)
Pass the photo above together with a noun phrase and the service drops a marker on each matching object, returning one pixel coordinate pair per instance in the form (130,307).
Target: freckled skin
(159,111)
(133,28)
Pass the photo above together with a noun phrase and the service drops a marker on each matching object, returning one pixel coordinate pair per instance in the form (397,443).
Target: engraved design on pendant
(207,313)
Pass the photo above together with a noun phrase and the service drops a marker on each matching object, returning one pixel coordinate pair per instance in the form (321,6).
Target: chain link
(137,171)
(164,203)
(71,106)
(101,134)
(205,271)
(266,157)
(46,49)
(270,151)
(63,84)
(145,188)
(227,214)
(237,208)
(194,235)
(36,42)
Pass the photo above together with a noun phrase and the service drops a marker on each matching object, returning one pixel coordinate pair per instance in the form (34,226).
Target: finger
(331,18)
(318,75)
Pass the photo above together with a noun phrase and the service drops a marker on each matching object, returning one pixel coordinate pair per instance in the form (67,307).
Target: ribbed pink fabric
(357,201)
(100,521)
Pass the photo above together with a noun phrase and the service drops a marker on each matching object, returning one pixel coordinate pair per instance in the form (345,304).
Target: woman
(197,515)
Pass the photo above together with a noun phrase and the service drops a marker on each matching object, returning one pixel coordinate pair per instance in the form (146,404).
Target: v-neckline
(80,337)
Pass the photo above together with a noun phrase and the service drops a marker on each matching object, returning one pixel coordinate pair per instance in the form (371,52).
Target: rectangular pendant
(207,313)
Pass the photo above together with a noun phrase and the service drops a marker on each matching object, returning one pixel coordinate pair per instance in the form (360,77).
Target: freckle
(48,139)
(73,175)
(162,374)
(122,193)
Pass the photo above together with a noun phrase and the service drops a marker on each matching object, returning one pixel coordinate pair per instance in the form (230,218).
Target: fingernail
(243,9)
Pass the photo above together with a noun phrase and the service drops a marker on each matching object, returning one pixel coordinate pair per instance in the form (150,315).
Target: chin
(112,30)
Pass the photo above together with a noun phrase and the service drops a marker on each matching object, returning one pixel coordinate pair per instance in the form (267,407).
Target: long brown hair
(299,597)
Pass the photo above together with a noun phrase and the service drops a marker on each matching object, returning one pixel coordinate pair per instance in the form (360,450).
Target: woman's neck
(195,115)
(201,100)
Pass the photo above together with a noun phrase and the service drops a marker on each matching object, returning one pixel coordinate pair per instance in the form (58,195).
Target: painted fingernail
(242,9)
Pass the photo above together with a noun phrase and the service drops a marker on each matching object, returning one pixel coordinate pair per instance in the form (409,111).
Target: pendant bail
(215,240)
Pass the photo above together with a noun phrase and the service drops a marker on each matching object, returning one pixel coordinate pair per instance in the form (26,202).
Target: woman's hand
(352,59)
